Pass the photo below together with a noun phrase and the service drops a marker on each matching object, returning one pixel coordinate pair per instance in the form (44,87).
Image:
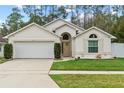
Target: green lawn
(89,81)
(94,64)
(2,60)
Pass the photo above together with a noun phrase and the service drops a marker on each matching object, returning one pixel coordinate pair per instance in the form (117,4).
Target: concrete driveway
(26,73)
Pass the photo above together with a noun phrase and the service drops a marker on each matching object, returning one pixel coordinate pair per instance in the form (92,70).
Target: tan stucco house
(35,41)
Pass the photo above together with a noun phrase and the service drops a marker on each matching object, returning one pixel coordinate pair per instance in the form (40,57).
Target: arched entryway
(66,45)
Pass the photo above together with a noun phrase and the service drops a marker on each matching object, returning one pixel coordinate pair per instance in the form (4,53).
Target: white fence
(118,49)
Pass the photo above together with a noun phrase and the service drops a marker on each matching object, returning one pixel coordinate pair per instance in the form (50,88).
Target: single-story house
(2,43)
(35,41)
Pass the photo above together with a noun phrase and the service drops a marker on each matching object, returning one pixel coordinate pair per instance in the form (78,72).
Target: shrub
(57,50)
(8,51)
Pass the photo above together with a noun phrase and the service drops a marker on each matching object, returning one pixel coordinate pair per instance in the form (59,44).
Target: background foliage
(107,17)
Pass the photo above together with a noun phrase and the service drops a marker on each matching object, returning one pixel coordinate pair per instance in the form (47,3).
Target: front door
(66,49)
(66,44)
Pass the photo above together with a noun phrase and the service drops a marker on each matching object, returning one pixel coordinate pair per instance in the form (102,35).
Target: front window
(92,36)
(93,46)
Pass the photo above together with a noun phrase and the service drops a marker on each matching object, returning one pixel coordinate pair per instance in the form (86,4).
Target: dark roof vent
(77,32)
(54,31)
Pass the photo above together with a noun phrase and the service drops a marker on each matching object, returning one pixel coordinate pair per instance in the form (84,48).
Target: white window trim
(87,45)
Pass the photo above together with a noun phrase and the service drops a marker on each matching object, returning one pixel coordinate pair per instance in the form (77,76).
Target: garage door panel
(34,50)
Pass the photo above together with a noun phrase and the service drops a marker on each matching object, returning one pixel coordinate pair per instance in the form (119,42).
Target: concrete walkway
(26,73)
(85,72)
(64,59)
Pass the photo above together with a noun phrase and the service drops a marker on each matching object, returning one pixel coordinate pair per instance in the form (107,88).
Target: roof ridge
(33,23)
(94,27)
(64,21)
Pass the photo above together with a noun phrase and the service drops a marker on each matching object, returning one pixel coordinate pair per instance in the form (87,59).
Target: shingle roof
(93,27)
(65,22)
(27,27)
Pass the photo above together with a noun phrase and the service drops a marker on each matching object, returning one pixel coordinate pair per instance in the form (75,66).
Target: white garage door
(33,50)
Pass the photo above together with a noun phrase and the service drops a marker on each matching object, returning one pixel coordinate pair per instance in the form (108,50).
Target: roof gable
(111,36)
(11,34)
(65,25)
(66,22)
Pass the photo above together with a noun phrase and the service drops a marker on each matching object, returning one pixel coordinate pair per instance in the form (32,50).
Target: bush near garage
(57,50)
(8,51)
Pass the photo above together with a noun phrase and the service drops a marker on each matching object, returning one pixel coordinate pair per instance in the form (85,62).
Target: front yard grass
(91,65)
(89,81)
(2,60)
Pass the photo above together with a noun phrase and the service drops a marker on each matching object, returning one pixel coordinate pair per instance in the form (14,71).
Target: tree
(4,30)
(87,10)
(72,7)
(45,7)
(106,17)
(52,13)
(62,12)
(32,10)
(118,30)
(14,20)
(34,13)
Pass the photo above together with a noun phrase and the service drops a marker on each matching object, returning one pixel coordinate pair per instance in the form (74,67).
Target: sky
(5,11)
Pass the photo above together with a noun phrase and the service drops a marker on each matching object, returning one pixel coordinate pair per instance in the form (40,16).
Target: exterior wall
(104,45)
(63,29)
(67,29)
(118,50)
(71,31)
(54,25)
(73,47)
(57,24)
(33,33)
(79,44)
